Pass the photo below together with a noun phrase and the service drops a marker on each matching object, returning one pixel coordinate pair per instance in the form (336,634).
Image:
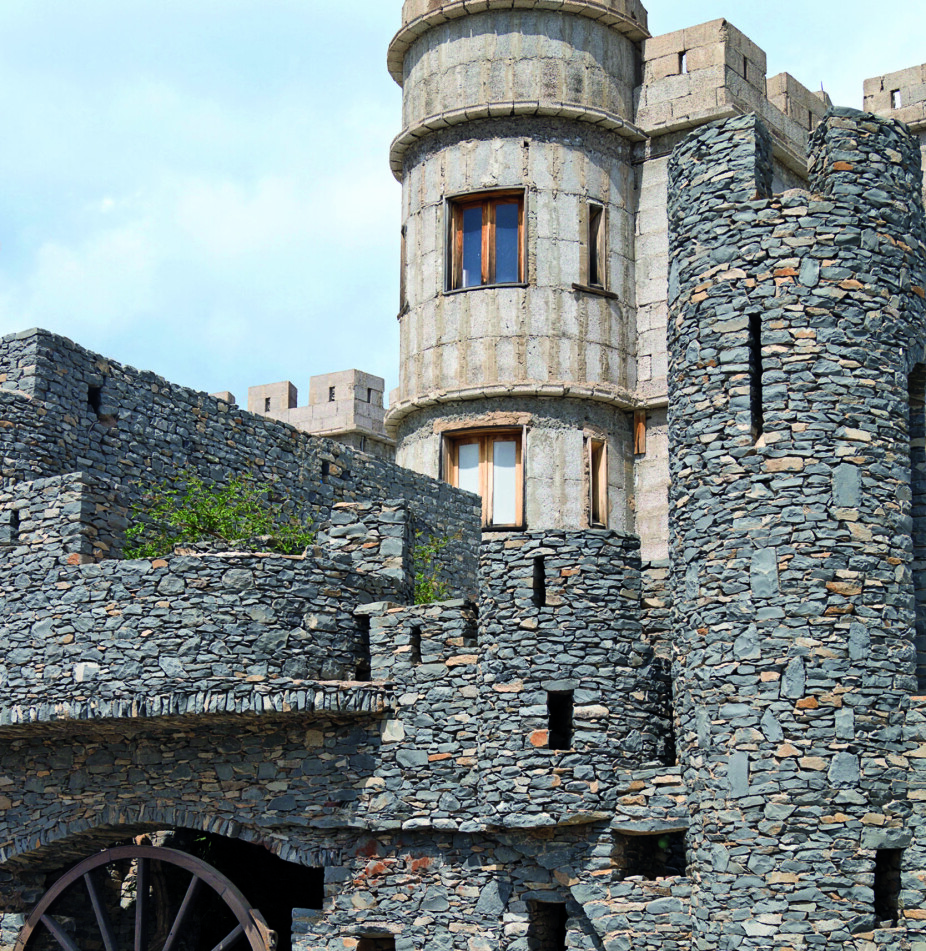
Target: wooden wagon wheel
(250,926)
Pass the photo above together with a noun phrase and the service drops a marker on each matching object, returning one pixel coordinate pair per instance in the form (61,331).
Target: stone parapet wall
(796,322)
(204,631)
(71,410)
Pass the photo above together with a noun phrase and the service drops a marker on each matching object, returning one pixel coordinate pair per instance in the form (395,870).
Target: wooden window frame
(597,466)
(485,438)
(488,201)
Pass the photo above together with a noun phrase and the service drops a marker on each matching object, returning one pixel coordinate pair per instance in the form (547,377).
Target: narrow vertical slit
(683,63)
(917,430)
(755,376)
(539,596)
(364,669)
(559,719)
(415,642)
(888,864)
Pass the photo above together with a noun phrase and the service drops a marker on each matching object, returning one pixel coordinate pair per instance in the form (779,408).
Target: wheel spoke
(176,927)
(102,918)
(141,906)
(229,939)
(61,936)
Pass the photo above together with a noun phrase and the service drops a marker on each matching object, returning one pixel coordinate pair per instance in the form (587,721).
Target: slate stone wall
(65,409)
(795,324)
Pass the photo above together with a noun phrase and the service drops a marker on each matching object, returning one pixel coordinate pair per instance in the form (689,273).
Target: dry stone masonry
(673,701)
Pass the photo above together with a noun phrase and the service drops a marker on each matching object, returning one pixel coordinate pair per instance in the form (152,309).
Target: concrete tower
(517,320)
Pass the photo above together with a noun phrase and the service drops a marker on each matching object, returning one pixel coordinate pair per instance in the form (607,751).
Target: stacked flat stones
(792,554)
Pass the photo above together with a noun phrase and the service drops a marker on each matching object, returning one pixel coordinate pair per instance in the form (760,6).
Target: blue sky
(201,187)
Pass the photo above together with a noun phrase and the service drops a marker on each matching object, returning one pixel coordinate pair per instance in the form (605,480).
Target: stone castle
(662,407)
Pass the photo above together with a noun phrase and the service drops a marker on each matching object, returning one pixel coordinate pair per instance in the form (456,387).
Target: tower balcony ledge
(606,393)
(577,112)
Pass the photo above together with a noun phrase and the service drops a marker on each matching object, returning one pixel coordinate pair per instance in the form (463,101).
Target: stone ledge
(341,698)
(496,110)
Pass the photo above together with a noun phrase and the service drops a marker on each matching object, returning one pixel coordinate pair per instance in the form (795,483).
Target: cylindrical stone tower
(517,314)
(797,325)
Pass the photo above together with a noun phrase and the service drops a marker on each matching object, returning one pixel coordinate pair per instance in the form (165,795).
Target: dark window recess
(415,642)
(559,715)
(266,404)
(745,68)
(539,596)
(9,527)
(917,430)
(887,886)
(326,469)
(364,670)
(95,398)
(649,857)
(330,394)
(363,443)
(896,100)
(663,675)
(470,633)
(546,930)
(682,63)
(376,943)
(755,376)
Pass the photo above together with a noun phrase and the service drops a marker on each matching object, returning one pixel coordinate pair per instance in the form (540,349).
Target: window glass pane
(506,243)
(468,467)
(504,473)
(472,247)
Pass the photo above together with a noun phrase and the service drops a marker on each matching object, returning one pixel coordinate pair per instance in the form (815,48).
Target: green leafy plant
(427,566)
(188,510)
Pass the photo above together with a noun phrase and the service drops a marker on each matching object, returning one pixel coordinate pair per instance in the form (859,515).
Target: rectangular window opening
(266,404)
(597,483)
(756,407)
(376,943)
(539,596)
(95,398)
(363,443)
(331,394)
(9,527)
(650,857)
(415,644)
(683,63)
(896,99)
(489,463)
(745,68)
(559,719)
(487,240)
(888,865)
(596,247)
(364,669)
(810,122)
(547,929)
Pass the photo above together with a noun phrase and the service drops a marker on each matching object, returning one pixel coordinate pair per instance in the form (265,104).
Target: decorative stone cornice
(577,112)
(595,392)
